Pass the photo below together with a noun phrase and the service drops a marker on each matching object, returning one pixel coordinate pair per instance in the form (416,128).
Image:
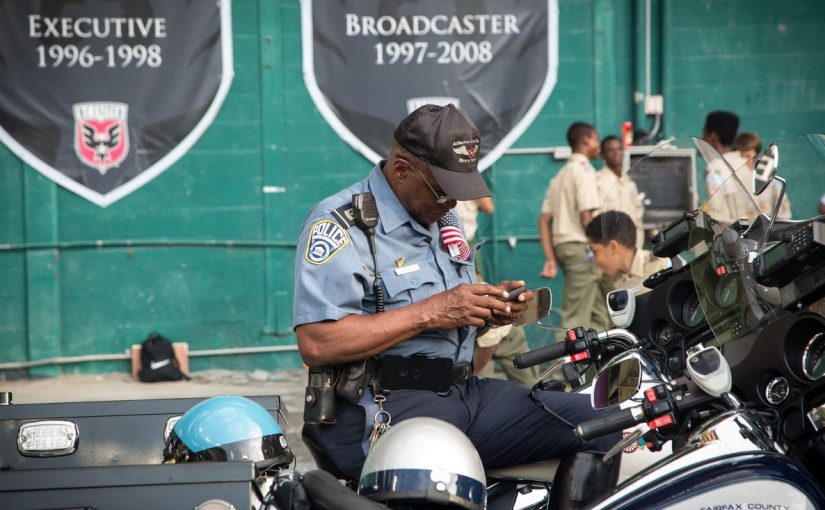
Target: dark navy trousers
(505,425)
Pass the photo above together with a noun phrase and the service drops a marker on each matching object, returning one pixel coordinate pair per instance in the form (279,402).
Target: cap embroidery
(467,150)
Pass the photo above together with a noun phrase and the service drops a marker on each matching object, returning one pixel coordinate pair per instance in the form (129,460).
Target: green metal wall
(64,294)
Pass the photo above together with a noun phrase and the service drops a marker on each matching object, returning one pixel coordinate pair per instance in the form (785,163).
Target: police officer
(434,309)
(570,202)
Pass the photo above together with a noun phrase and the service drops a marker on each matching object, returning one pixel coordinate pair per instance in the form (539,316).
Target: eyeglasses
(439,199)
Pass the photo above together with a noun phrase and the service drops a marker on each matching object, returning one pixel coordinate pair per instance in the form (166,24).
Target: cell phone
(512,295)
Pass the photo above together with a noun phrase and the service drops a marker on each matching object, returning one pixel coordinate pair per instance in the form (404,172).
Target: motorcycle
(730,367)
(722,359)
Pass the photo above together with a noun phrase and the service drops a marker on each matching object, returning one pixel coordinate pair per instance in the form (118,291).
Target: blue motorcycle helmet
(228,428)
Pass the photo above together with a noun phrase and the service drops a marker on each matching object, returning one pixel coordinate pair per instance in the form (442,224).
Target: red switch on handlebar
(579,356)
(661,421)
(571,335)
(650,395)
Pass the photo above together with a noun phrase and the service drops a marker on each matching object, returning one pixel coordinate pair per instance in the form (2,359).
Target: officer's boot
(582,478)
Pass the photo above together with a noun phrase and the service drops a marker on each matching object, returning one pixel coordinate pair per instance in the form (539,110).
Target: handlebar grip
(615,422)
(540,355)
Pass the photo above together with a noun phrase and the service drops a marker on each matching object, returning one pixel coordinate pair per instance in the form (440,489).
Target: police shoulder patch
(326,238)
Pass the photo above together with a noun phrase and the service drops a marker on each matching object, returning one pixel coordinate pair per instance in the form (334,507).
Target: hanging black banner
(367,64)
(101,96)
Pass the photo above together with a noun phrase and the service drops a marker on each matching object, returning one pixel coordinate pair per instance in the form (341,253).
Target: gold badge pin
(399,262)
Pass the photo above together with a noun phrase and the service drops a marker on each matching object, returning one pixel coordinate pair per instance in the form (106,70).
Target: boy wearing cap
(570,202)
(434,309)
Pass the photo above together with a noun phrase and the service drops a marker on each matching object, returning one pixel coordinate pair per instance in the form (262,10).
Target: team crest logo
(367,64)
(101,138)
(326,238)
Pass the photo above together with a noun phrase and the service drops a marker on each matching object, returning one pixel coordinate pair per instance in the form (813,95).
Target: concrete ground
(289,384)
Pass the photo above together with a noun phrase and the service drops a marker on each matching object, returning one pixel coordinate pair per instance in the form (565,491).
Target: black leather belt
(420,373)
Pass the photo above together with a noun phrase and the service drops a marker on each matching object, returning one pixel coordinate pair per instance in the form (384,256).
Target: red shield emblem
(101,140)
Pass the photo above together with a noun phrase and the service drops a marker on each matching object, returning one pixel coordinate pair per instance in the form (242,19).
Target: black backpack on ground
(158,361)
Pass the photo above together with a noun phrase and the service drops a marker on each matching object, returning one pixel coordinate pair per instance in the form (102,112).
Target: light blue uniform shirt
(334,269)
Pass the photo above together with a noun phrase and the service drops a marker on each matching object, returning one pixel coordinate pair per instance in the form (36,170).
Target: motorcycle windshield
(732,232)
(653,187)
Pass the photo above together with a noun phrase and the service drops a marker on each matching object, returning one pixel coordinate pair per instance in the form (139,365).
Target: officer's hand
(517,305)
(549,270)
(465,305)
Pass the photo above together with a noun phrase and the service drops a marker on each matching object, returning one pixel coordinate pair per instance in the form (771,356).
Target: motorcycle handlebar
(611,423)
(540,355)
(564,348)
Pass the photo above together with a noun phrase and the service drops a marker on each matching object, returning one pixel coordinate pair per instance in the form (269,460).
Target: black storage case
(111,433)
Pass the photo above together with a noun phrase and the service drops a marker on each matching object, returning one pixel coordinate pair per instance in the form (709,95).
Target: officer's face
(425,200)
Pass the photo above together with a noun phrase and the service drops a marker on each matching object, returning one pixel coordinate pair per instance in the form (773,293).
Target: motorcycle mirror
(537,308)
(616,383)
(764,169)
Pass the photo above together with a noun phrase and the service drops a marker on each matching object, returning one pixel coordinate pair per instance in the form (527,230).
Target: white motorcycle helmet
(424,462)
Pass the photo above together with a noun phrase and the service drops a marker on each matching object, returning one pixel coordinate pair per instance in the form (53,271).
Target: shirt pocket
(466,269)
(410,286)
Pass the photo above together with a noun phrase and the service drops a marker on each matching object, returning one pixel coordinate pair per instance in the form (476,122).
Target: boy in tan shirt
(617,191)
(612,238)
(569,204)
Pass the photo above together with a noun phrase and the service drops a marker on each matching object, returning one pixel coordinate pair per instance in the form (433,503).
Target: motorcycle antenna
(769,163)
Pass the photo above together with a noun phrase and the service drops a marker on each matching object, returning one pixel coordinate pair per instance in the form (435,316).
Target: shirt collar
(577,157)
(390,210)
(637,269)
(609,172)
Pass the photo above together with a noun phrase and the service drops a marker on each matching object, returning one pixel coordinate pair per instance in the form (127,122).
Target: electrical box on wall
(654,105)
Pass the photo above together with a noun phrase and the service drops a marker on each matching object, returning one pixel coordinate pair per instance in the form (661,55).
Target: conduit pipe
(68,360)
(147,243)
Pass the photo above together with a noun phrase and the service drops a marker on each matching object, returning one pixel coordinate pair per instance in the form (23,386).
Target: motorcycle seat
(327,493)
(539,472)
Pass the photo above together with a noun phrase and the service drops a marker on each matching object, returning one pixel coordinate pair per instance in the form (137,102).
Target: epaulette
(344,216)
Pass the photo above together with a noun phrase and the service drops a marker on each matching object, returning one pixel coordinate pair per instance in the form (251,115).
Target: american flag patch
(452,238)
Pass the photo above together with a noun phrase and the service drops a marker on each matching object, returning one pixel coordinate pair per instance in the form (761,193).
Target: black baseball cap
(449,142)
